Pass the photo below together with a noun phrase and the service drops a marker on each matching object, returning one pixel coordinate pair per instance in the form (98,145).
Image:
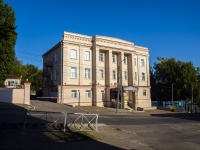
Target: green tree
(8,36)
(168,72)
(34,75)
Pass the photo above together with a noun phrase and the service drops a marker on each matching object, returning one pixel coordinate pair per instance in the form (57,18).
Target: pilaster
(27,89)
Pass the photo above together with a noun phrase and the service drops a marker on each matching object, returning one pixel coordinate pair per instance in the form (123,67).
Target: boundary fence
(53,121)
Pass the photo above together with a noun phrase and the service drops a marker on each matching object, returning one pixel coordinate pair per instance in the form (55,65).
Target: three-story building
(97,71)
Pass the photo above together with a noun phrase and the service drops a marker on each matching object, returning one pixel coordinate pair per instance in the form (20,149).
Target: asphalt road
(150,130)
(158,132)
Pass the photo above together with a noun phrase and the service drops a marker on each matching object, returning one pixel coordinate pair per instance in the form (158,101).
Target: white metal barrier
(81,121)
(34,120)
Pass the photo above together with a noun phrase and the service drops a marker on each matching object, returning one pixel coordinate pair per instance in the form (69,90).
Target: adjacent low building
(97,71)
(13,81)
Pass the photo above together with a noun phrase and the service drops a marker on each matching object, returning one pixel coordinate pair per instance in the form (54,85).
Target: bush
(173,109)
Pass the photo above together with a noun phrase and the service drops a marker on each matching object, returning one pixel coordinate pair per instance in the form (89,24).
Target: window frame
(88,94)
(73,54)
(55,75)
(87,55)
(136,76)
(101,74)
(114,74)
(142,63)
(74,94)
(101,57)
(113,58)
(135,61)
(55,57)
(87,73)
(125,75)
(125,60)
(144,92)
(74,74)
(143,76)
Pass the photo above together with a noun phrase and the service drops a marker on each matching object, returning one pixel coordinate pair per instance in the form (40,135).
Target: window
(125,60)
(87,73)
(135,75)
(11,83)
(144,93)
(55,57)
(125,75)
(114,58)
(143,76)
(88,93)
(51,75)
(74,93)
(142,62)
(55,74)
(103,95)
(100,56)
(87,55)
(101,74)
(73,72)
(114,74)
(73,54)
(135,62)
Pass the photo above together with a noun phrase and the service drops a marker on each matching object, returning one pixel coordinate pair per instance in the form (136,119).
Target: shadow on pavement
(186,116)
(12,137)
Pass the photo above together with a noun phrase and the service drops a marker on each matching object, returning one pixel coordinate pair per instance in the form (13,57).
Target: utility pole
(192,101)
(172,94)
(118,89)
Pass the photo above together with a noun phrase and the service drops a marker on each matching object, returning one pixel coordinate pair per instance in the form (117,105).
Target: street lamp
(172,94)
(119,89)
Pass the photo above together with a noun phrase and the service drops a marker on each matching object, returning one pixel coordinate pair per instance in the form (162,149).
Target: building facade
(97,71)
(13,82)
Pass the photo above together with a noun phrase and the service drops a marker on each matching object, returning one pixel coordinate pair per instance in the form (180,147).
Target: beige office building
(97,71)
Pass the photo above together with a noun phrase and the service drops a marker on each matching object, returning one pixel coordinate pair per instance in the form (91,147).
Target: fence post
(27,89)
(24,122)
(65,122)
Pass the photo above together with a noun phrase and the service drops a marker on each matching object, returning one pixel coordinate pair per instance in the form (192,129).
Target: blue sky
(169,28)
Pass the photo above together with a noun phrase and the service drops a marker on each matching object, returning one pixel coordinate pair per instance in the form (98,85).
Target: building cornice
(110,42)
(77,38)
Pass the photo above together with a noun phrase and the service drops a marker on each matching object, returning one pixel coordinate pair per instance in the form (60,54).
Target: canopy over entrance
(130,88)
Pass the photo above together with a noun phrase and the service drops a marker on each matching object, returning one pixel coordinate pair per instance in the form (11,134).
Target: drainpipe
(61,73)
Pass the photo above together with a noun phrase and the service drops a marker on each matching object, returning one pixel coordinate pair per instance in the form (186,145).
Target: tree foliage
(8,36)
(9,64)
(170,73)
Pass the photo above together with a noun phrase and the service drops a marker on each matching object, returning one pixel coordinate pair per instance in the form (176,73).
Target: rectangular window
(55,75)
(143,76)
(144,93)
(101,74)
(142,62)
(114,74)
(74,93)
(87,55)
(135,62)
(73,72)
(125,75)
(87,73)
(135,75)
(88,94)
(100,56)
(114,58)
(125,60)
(73,54)
(55,57)
(11,83)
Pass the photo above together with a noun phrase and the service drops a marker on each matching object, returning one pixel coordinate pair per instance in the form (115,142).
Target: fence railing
(51,121)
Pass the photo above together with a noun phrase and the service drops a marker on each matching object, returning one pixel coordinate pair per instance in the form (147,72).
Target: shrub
(173,109)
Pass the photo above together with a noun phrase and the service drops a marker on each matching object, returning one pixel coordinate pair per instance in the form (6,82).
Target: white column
(27,88)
